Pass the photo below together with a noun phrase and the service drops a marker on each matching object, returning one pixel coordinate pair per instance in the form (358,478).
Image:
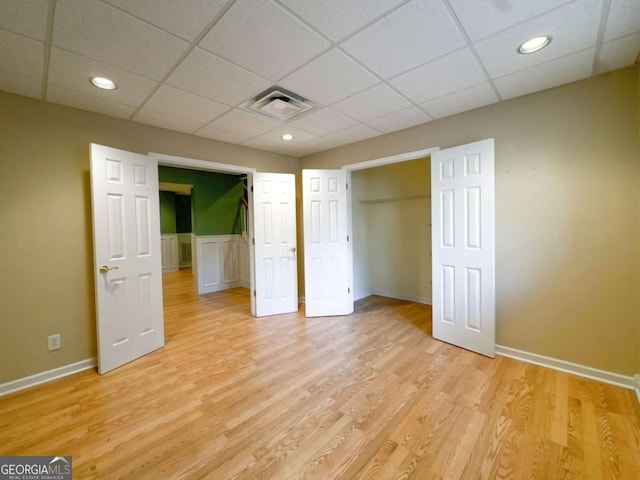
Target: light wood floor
(368,396)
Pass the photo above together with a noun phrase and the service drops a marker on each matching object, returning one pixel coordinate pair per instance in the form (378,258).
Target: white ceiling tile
(406,118)
(313,146)
(274,138)
(461,101)
(619,53)
(85,101)
(267,145)
(72,72)
(98,31)
(245,123)
(456,71)
(178,103)
(624,19)
(20,85)
(264,38)
(26,17)
(410,36)
(21,56)
(339,18)
(481,19)
(355,133)
(415,47)
(323,121)
(556,72)
(372,103)
(210,76)
(329,78)
(166,121)
(573,28)
(214,133)
(184,18)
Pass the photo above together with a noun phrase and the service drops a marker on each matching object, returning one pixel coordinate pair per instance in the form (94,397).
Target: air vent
(278,103)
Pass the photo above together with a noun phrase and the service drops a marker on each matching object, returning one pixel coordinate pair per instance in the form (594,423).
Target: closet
(391,221)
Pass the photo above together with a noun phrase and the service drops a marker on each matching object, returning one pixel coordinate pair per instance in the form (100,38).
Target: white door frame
(401,157)
(196,164)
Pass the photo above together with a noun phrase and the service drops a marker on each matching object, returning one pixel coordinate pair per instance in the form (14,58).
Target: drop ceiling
(369,66)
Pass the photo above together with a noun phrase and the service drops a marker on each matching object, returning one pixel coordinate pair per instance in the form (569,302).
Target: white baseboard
(409,298)
(49,375)
(574,368)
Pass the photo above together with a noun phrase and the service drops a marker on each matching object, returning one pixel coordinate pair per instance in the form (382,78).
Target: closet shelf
(395,199)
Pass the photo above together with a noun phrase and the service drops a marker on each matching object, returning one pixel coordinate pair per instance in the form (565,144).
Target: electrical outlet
(54,342)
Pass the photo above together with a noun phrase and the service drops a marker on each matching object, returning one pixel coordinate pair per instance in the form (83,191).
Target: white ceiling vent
(278,103)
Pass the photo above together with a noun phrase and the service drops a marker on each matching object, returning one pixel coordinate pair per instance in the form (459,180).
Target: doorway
(221,257)
(176,225)
(127,253)
(375,199)
(391,225)
(463,241)
(215,230)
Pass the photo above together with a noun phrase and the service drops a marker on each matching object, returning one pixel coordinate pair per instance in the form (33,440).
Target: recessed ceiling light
(287,137)
(103,83)
(535,44)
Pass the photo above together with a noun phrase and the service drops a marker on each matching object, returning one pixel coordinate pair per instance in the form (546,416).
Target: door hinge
(348,289)
(251,188)
(253,240)
(347,186)
(347,238)
(254,293)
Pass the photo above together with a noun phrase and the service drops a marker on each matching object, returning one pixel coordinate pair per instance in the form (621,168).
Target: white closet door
(327,247)
(463,244)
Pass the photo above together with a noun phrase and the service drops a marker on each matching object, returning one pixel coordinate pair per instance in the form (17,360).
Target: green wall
(167,212)
(215,199)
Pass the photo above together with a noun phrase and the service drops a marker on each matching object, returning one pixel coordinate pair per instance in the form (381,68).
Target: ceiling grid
(369,68)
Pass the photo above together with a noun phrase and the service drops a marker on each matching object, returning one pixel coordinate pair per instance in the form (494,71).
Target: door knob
(293,249)
(105,269)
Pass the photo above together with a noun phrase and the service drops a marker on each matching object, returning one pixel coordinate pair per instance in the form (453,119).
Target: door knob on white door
(293,249)
(106,269)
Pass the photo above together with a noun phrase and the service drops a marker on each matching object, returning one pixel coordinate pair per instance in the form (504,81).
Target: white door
(327,246)
(274,234)
(127,255)
(463,246)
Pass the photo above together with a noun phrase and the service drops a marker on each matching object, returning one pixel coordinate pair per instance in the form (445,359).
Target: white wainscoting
(217,262)
(169,249)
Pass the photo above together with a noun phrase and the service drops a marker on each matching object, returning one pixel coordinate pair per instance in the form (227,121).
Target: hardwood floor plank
(367,396)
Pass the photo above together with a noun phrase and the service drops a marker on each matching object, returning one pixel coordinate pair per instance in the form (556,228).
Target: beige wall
(567,225)
(47,284)
(392,239)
